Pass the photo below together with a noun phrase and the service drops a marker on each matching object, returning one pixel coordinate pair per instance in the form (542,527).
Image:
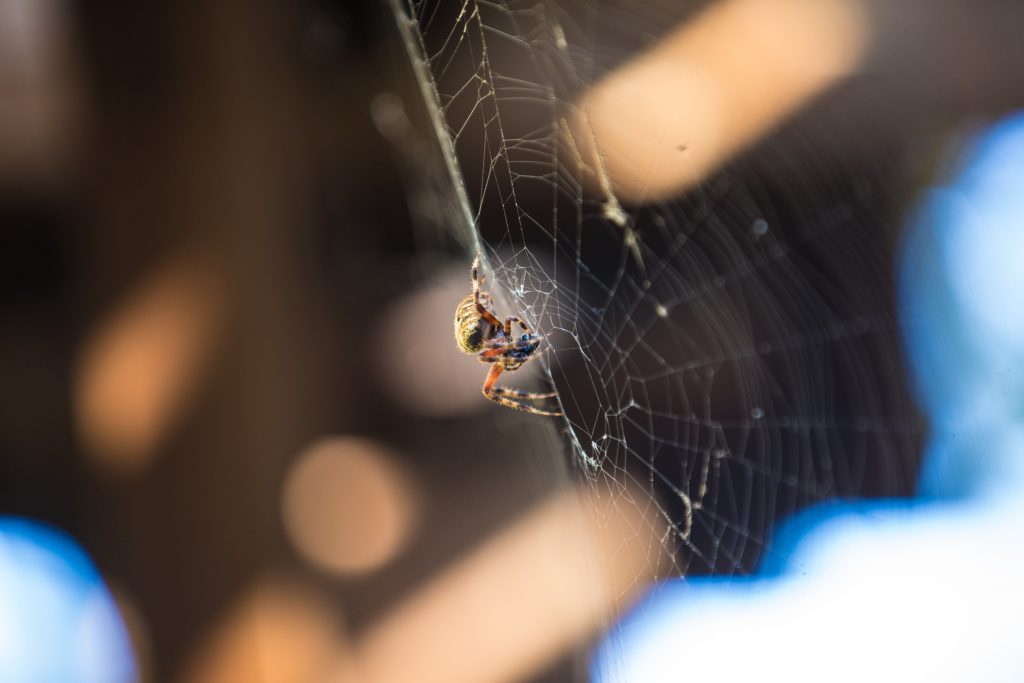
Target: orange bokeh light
(347,506)
(662,123)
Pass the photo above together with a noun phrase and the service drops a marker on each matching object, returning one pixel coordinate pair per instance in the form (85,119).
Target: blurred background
(237,442)
(212,296)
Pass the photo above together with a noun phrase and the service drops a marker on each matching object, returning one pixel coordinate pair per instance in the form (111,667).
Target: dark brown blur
(205,252)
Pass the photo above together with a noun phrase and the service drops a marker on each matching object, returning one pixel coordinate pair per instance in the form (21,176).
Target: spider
(479,332)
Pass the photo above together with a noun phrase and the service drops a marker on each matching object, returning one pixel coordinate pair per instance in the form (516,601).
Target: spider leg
(509,403)
(501,396)
(508,326)
(496,348)
(492,355)
(504,342)
(526,395)
(474,273)
(477,295)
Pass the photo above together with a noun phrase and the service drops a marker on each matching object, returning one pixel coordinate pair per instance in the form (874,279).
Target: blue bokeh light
(58,621)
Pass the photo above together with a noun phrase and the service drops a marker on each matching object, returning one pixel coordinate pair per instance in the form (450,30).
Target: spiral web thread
(730,353)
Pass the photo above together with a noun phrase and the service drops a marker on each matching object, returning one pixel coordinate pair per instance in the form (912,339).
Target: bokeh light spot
(347,507)
(141,363)
(275,633)
(58,621)
(426,373)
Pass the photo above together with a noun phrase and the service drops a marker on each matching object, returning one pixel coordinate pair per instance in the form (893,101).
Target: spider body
(479,332)
(471,328)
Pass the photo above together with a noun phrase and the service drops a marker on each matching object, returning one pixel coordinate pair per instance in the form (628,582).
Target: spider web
(732,353)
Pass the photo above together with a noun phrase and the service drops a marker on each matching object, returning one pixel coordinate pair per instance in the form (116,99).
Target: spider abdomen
(471,330)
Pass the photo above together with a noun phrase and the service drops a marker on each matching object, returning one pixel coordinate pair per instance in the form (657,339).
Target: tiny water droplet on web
(756,412)
(560,40)
(612,211)
(759,228)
